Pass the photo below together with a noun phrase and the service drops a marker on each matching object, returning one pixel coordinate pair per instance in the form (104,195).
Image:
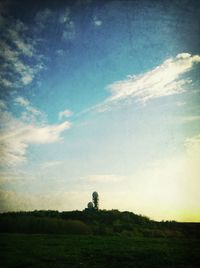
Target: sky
(100,96)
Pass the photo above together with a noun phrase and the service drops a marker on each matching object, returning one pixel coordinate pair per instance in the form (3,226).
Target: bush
(31,224)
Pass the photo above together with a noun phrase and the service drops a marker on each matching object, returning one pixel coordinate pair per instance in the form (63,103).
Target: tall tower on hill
(95,198)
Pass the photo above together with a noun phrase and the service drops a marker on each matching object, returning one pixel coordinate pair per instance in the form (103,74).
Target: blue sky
(100,95)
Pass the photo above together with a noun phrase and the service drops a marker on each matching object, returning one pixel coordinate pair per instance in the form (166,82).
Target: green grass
(23,250)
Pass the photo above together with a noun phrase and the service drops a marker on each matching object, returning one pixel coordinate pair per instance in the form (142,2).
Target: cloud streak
(164,80)
(20,60)
(26,104)
(192,146)
(104,178)
(16,134)
(97,22)
(188,119)
(63,21)
(65,113)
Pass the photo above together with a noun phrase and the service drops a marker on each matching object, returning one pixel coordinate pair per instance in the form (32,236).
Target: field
(31,250)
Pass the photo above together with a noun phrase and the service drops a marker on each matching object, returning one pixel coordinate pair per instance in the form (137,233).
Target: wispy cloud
(164,80)
(16,139)
(63,21)
(67,24)
(22,101)
(42,18)
(15,48)
(2,105)
(50,164)
(188,119)
(23,46)
(14,175)
(21,54)
(29,113)
(16,134)
(26,104)
(192,145)
(104,178)
(69,31)
(97,22)
(65,113)
(65,16)
(180,103)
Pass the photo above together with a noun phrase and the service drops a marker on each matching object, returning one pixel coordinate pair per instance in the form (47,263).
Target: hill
(101,222)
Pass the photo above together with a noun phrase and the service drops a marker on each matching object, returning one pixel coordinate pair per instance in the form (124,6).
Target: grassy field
(25,250)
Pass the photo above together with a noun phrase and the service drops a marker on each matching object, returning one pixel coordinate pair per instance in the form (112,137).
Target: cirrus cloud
(65,113)
(164,80)
(16,134)
(17,47)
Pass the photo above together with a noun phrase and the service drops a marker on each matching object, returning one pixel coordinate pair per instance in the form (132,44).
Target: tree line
(91,222)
